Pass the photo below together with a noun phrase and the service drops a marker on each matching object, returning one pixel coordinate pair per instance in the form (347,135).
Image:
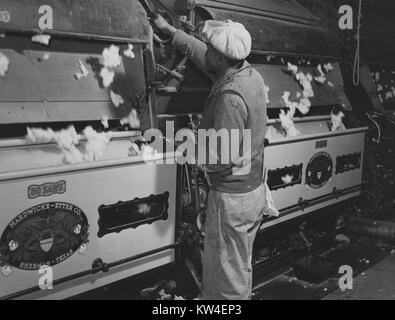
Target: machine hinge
(337,193)
(303,204)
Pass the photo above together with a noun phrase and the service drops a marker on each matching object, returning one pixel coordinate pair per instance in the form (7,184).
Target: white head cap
(228,37)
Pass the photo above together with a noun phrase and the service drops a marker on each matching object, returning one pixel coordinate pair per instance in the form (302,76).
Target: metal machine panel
(279,81)
(275,29)
(267,223)
(40,228)
(325,167)
(377,27)
(116,19)
(37,90)
(282,7)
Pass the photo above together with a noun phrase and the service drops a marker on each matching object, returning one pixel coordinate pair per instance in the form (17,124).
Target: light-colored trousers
(232,222)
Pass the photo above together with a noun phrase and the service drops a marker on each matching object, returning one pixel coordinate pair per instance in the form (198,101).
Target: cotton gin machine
(312,160)
(72,198)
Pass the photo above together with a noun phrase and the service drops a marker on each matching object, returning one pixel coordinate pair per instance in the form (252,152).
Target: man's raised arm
(188,45)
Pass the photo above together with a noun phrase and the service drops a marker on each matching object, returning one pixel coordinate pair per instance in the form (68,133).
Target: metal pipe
(100,267)
(188,184)
(383,230)
(178,115)
(195,172)
(151,73)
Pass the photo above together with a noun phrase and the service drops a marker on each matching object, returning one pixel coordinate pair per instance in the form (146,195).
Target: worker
(237,198)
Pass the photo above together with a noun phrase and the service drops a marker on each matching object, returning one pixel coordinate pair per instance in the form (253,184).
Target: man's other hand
(164,26)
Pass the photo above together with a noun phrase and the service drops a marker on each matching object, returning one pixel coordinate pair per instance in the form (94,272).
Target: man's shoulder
(245,81)
(231,98)
(256,75)
(249,75)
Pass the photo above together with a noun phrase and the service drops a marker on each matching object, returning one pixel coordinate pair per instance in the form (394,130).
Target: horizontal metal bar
(21,142)
(142,255)
(29,173)
(287,140)
(105,267)
(85,36)
(176,115)
(300,120)
(194,89)
(295,55)
(291,212)
(330,196)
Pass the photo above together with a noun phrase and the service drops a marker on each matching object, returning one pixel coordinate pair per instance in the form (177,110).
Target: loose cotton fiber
(82,71)
(4,64)
(128,53)
(107,77)
(111,57)
(116,99)
(132,119)
(96,144)
(42,39)
(287,123)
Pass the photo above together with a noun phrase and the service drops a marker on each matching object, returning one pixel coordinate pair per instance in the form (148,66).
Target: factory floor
(374,277)
(373,264)
(147,286)
(376,283)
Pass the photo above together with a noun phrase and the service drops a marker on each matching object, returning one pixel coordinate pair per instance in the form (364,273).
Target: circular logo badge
(319,170)
(45,234)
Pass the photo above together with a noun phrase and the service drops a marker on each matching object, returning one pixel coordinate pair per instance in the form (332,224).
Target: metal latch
(165,89)
(303,204)
(173,73)
(337,192)
(161,88)
(99,265)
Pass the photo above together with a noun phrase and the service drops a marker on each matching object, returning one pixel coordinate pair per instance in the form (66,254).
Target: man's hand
(164,26)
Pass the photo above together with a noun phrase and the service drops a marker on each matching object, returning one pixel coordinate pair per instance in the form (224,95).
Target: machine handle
(303,203)
(173,73)
(337,192)
(150,13)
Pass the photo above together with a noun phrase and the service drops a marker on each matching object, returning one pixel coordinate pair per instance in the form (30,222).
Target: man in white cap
(237,198)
